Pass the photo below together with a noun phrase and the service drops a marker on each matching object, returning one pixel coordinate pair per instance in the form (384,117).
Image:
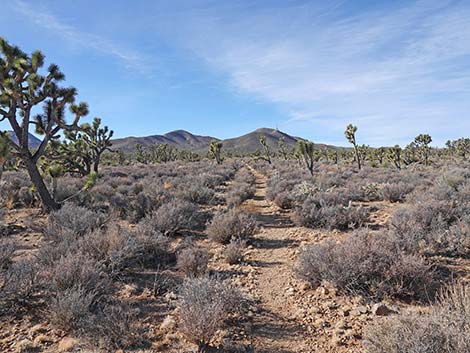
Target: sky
(394,69)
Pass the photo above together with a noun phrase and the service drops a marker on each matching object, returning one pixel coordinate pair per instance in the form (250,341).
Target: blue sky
(223,68)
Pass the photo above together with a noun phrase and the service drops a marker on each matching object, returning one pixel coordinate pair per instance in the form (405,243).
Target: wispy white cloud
(44,18)
(394,71)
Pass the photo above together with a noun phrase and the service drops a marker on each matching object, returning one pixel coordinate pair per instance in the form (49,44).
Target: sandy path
(276,327)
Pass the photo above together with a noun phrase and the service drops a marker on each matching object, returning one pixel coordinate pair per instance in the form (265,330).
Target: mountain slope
(249,143)
(184,140)
(180,139)
(34,142)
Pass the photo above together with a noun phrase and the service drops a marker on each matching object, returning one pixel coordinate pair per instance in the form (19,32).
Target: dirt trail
(276,327)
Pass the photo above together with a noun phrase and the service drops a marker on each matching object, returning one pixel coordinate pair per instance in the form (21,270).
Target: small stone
(168,324)
(39,328)
(41,339)
(67,344)
(380,309)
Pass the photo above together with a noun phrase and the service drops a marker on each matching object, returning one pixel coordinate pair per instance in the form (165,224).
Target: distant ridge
(184,140)
(180,139)
(34,142)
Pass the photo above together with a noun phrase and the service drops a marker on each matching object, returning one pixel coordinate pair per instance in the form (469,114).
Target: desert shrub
(395,192)
(71,222)
(445,328)
(437,227)
(115,249)
(76,270)
(19,281)
(198,193)
(204,306)
(233,252)
(231,224)
(7,249)
(318,212)
(369,264)
(176,216)
(71,309)
(193,261)
(238,193)
(84,313)
(115,325)
(241,189)
(16,191)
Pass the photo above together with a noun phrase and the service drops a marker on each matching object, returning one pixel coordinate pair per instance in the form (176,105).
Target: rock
(39,328)
(25,346)
(168,324)
(360,310)
(41,339)
(380,309)
(67,344)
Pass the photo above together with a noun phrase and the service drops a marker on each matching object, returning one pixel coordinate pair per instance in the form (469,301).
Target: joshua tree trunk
(37,180)
(358,159)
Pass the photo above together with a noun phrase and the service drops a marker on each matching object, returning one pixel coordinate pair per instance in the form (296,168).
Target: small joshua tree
(22,88)
(266,155)
(394,156)
(350,134)
(215,149)
(306,151)
(421,142)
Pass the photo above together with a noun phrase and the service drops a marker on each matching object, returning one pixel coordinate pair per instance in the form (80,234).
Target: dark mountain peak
(34,142)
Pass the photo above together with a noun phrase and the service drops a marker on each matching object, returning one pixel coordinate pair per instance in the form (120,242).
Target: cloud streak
(395,72)
(47,20)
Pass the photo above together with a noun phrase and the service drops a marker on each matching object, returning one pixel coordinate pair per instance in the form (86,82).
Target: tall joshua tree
(394,156)
(98,139)
(306,151)
(215,149)
(421,143)
(350,134)
(266,152)
(22,88)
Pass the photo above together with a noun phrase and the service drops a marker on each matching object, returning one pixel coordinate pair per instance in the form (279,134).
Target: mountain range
(184,140)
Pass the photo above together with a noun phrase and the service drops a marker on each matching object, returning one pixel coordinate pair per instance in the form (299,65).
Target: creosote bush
(444,328)
(176,216)
(231,224)
(193,261)
(204,306)
(72,221)
(328,211)
(369,264)
(233,252)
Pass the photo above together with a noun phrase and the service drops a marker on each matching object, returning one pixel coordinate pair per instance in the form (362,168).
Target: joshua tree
(98,140)
(421,144)
(282,148)
(461,147)
(140,155)
(306,151)
(215,149)
(394,156)
(350,134)
(332,155)
(22,88)
(267,153)
(380,154)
